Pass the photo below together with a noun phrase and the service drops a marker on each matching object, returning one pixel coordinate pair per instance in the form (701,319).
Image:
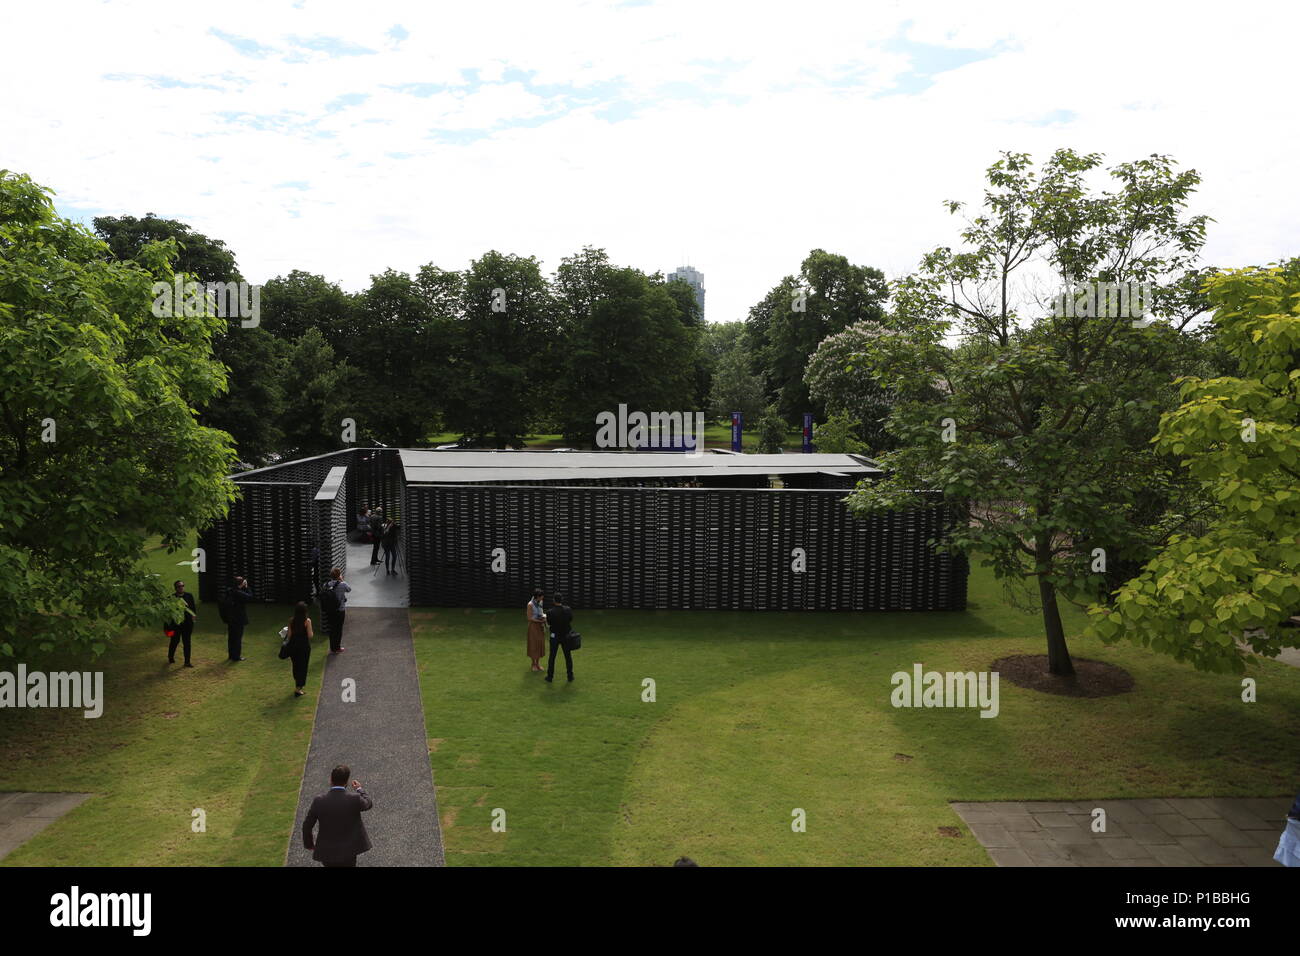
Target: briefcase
(574,641)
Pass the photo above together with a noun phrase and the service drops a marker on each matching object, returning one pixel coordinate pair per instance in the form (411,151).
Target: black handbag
(574,640)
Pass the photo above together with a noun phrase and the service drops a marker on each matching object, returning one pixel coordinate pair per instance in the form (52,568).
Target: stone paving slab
(1173,831)
(23,815)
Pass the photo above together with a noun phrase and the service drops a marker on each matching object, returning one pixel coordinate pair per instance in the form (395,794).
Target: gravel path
(381,736)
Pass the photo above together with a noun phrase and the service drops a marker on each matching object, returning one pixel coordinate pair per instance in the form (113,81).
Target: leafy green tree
(1042,420)
(317,386)
(99,446)
(771,431)
(784,329)
(249,409)
(702,364)
(623,340)
(735,388)
(840,378)
(837,435)
(300,301)
(504,340)
(1239,437)
(204,259)
(400,344)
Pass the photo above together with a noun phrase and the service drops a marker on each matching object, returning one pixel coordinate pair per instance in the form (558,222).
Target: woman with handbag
(536,629)
(296,646)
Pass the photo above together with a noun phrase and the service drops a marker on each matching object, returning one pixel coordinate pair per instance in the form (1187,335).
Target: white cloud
(756,131)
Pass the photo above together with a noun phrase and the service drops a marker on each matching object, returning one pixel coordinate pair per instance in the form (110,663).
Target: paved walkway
(23,815)
(371,587)
(1216,831)
(381,736)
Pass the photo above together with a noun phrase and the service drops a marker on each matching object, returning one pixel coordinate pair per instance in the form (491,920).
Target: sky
(346,138)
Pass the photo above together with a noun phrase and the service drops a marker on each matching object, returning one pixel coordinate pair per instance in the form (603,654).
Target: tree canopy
(1037,418)
(99,443)
(1238,436)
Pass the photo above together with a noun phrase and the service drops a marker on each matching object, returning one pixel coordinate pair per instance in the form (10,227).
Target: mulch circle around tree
(1091,678)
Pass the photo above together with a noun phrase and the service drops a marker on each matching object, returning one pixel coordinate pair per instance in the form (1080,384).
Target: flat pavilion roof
(455,466)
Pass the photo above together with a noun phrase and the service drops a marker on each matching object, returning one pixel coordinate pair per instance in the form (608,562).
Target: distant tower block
(693,278)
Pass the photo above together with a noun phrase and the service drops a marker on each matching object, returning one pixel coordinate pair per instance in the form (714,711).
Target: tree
(1043,417)
(249,409)
(735,388)
(317,396)
(400,343)
(839,377)
(623,341)
(99,446)
(300,301)
(785,328)
(1239,438)
(207,260)
(771,431)
(836,435)
(503,341)
(691,316)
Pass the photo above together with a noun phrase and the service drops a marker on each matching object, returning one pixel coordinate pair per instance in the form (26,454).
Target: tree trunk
(1058,655)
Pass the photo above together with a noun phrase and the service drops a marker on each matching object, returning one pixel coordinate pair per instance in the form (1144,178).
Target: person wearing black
(182,630)
(334,608)
(389,542)
(342,834)
(237,617)
(376,533)
(560,619)
(297,646)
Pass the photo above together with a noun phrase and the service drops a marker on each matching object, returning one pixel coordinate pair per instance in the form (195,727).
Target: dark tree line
(499,351)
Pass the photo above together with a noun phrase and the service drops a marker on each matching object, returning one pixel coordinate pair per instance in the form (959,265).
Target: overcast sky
(345,138)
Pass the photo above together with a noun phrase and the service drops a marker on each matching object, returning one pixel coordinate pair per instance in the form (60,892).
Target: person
(237,617)
(684,861)
(342,836)
(363,523)
(182,630)
(1288,845)
(297,647)
(560,619)
(536,638)
(376,533)
(334,606)
(389,541)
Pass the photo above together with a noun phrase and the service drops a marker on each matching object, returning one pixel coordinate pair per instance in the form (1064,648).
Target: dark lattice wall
(268,536)
(333,525)
(375,479)
(674,548)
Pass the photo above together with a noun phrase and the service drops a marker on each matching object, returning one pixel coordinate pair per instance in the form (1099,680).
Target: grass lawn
(227,738)
(761,713)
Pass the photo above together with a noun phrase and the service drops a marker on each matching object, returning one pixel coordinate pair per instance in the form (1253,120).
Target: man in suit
(182,630)
(237,617)
(342,834)
(559,617)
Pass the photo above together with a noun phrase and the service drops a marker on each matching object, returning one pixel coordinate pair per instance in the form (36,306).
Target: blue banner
(737,432)
(807,433)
